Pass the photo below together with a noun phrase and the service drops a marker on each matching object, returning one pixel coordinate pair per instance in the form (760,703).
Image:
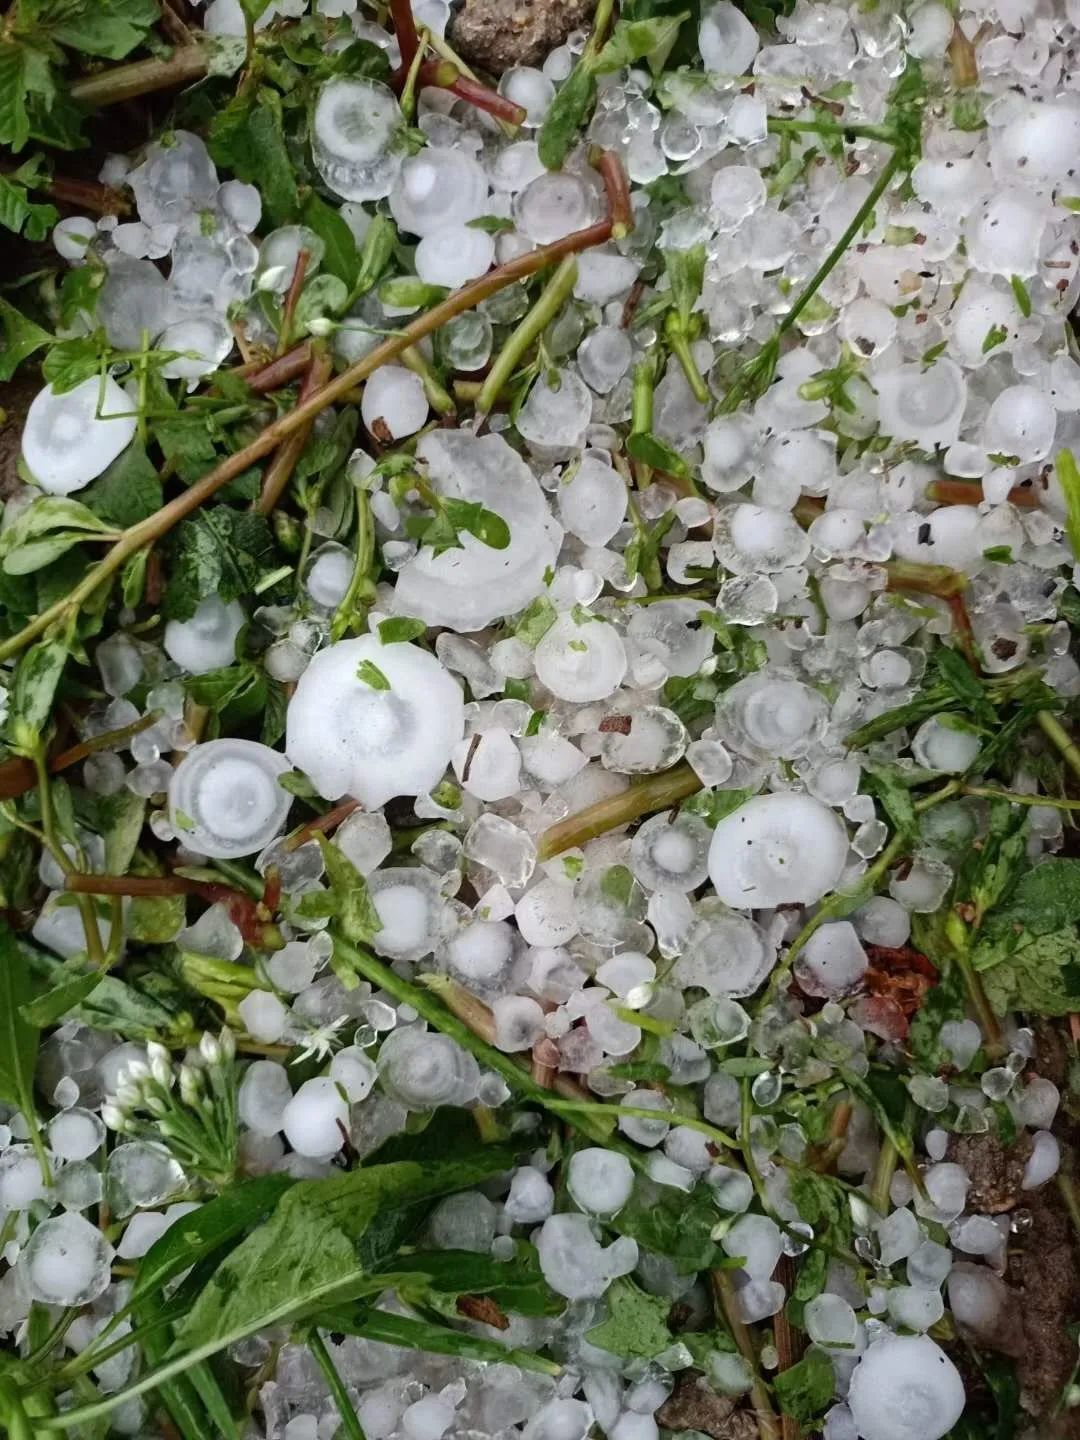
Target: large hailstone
(905,1388)
(469,588)
(777,850)
(225,800)
(374,740)
(71,439)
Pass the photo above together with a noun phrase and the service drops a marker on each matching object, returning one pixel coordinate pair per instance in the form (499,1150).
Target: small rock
(495,34)
(996,1172)
(694,1405)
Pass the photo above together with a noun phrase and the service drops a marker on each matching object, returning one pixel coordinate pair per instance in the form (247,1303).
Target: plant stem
(659,792)
(779,126)
(142,77)
(986,792)
(1056,733)
(970,492)
(725,1299)
(634,1112)
(552,299)
(679,346)
(884,1170)
(87,913)
(162,521)
(280,371)
(437,396)
(349,1423)
(292,299)
(361,589)
(988,1021)
(279,471)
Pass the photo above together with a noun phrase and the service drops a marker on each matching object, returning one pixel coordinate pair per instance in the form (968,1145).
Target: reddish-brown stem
(970,492)
(446,75)
(17,775)
(322,824)
(136,886)
(281,371)
(88,195)
(292,299)
(279,471)
(617,188)
(405,29)
(162,521)
(965,635)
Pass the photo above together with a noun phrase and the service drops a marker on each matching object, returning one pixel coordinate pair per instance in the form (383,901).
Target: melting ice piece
(777,850)
(374,741)
(66,1262)
(207,640)
(70,439)
(465,589)
(581,661)
(356,138)
(438,187)
(224,799)
(574,1262)
(905,1388)
(927,405)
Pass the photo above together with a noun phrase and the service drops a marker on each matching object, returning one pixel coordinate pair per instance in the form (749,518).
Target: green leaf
(120,820)
(636,1324)
(516,1285)
(1045,898)
(216,552)
(488,527)
(958,676)
(247,136)
(651,450)
(109,28)
(491,224)
(1039,975)
(155,919)
(1069,479)
(14,119)
(20,338)
(210,1228)
(71,362)
(634,40)
(30,702)
(305,1255)
(47,1009)
(115,1004)
(686,276)
(372,676)
(402,1330)
(944,1002)
(353,906)
(714,805)
(670,1223)
(220,689)
(806,1388)
(407,290)
(566,115)
(534,623)
(340,258)
(18,1038)
(1023,299)
(127,492)
(398,629)
(25,217)
(895,798)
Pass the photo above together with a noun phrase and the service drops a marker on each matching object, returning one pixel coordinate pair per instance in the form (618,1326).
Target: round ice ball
(905,1388)
(70,438)
(66,1262)
(356,136)
(394,405)
(225,800)
(777,850)
(453,255)
(206,641)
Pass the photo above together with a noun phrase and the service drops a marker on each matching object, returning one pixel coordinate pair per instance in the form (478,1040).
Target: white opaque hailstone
(263,1095)
(777,850)
(905,1388)
(593,501)
(945,743)
(206,641)
(727,39)
(1043,1162)
(264,1016)
(1004,233)
(1021,422)
(869,326)
(977,1298)
(71,237)
(573,1261)
(356,138)
(466,588)
(554,205)
(411,912)
(529,88)
(600,1181)
(768,715)
(655,740)
(604,357)
(75,1134)
(69,439)
(724,954)
(1039,144)
(749,539)
(757,1241)
(832,961)
(830,1320)
(66,1262)
(453,255)
(519,1023)
(555,417)
(915,1307)
(531,1198)
(329,575)
(423,1070)
(921,403)
(946,1192)
(316,1119)
(671,851)
(224,799)
(202,343)
(737,190)
(439,187)
(394,403)
(351,738)
(488,766)
(581,661)
(354,1071)
(899,1235)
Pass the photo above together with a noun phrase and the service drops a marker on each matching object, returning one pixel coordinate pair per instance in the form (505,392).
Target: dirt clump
(493,35)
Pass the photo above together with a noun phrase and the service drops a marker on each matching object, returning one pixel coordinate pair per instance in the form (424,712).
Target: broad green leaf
(634,40)
(127,492)
(488,527)
(20,338)
(247,137)
(120,817)
(1039,974)
(48,514)
(1069,479)
(686,276)
(18,1038)
(71,362)
(410,1334)
(324,296)
(1046,898)
(209,1229)
(400,628)
(805,1389)
(670,1223)
(566,115)
(959,677)
(180,1396)
(340,257)
(517,1285)
(132,1009)
(534,623)
(30,703)
(155,919)
(47,1009)
(14,119)
(895,798)
(109,28)
(216,552)
(23,216)
(636,1324)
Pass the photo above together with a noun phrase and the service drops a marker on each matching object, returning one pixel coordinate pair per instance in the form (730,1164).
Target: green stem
(884,1170)
(884,133)
(142,77)
(361,584)
(659,792)
(633,1112)
(988,1021)
(1056,733)
(349,1423)
(150,530)
(641,404)
(746,1114)
(551,300)
(87,912)
(986,792)
(680,347)
(437,395)
(727,1302)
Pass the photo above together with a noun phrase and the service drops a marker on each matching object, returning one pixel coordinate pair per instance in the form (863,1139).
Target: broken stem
(726,1300)
(552,299)
(279,471)
(292,299)
(659,792)
(280,371)
(142,77)
(1060,738)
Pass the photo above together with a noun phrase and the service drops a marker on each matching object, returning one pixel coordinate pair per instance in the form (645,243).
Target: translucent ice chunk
(422,1070)
(352,737)
(580,662)
(724,954)
(357,138)
(555,417)
(575,1264)
(66,1262)
(69,439)
(905,1388)
(600,1181)
(922,404)
(753,538)
(727,39)
(832,961)
(766,715)
(453,255)
(202,341)
(553,205)
(207,640)
(437,188)
(467,588)
(945,743)
(1004,232)
(671,852)
(224,798)
(592,502)
(775,850)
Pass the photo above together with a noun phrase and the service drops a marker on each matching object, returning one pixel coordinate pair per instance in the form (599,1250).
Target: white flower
(322,1040)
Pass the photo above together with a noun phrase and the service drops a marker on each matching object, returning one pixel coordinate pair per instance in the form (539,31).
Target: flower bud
(112,1116)
(210,1048)
(227,1041)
